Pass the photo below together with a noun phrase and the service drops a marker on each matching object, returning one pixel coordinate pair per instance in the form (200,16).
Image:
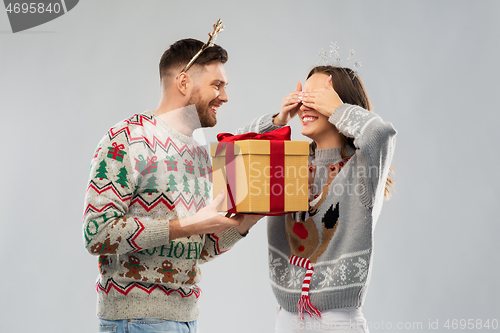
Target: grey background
(430,67)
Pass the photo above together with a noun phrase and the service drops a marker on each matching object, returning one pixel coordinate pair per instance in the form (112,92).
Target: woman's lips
(308,119)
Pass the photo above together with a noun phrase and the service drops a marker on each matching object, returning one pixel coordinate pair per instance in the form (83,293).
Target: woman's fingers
(291,98)
(290,107)
(309,105)
(309,97)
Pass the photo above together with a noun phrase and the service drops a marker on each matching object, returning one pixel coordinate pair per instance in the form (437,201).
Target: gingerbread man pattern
(104,262)
(168,272)
(134,268)
(106,247)
(192,274)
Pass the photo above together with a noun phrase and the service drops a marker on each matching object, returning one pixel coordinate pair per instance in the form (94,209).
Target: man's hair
(181,52)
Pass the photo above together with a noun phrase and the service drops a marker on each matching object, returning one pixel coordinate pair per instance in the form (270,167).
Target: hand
(289,107)
(249,220)
(324,100)
(206,221)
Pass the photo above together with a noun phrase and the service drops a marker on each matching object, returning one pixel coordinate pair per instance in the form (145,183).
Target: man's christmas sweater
(143,174)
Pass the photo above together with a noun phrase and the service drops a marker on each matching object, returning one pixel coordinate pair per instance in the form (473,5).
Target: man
(147,215)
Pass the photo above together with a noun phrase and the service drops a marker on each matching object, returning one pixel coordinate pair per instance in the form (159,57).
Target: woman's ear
(329,82)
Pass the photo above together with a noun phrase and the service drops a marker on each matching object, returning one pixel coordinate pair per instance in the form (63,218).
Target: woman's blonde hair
(351,91)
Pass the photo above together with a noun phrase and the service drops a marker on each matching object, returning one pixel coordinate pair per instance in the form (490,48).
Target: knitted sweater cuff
(266,123)
(338,113)
(228,238)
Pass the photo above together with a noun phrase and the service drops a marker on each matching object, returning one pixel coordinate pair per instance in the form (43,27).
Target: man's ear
(183,83)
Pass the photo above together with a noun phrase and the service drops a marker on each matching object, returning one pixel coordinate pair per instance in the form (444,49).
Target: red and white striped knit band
(305,301)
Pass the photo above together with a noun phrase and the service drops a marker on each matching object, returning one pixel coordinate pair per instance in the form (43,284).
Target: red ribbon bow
(283,133)
(119,147)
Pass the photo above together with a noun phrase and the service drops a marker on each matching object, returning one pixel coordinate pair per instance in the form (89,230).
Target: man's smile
(215,107)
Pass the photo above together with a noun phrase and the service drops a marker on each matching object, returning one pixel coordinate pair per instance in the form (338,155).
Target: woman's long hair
(351,91)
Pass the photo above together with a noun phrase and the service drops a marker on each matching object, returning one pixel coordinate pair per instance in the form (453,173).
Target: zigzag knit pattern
(153,142)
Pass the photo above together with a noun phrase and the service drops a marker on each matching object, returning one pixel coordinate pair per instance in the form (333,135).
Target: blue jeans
(147,325)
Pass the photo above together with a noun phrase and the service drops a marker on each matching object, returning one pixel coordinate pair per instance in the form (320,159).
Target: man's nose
(223,96)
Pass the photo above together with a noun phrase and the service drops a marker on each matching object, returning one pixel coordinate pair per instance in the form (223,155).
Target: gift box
(116,152)
(261,173)
(146,166)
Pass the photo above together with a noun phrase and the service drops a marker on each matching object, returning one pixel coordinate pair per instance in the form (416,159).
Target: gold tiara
(218,28)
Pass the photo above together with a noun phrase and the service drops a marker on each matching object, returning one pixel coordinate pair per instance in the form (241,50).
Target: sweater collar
(331,155)
(171,131)
(327,156)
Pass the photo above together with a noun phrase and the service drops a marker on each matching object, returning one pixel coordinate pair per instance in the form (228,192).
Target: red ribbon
(283,133)
(277,158)
(120,147)
(152,164)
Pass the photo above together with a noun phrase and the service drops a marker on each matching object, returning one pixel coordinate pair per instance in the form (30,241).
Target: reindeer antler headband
(218,28)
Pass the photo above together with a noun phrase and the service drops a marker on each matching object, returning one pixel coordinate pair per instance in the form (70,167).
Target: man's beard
(204,117)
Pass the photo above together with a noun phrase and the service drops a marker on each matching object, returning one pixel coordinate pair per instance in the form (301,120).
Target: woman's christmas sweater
(326,253)
(143,174)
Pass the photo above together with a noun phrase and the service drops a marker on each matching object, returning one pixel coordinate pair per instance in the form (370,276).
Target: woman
(320,260)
